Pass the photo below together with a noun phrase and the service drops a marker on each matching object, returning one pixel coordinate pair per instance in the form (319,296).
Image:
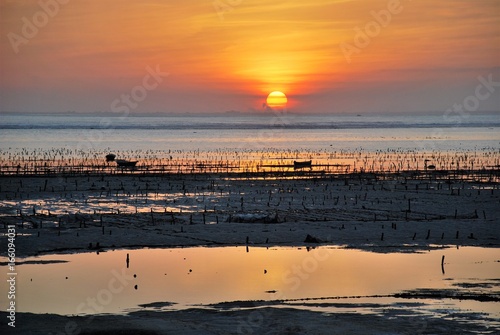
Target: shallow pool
(105,282)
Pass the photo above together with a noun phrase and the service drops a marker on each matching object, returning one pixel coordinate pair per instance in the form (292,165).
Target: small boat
(110,157)
(124,163)
(429,167)
(301,165)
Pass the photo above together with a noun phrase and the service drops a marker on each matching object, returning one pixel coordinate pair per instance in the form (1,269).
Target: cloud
(100,48)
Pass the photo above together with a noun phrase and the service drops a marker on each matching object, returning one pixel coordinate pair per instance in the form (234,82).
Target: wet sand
(265,320)
(365,211)
(75,214)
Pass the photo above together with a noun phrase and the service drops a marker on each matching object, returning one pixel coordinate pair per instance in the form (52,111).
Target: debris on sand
(251,217)
(312,239)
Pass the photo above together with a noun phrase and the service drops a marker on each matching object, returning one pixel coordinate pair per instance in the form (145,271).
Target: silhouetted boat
(301,165)
(124,163)
(110,157)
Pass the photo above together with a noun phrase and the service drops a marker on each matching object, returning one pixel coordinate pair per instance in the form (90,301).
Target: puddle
(324,278)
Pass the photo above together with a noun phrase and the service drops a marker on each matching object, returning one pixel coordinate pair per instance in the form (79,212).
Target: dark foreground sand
(400,214)
(286,321)
(396,214)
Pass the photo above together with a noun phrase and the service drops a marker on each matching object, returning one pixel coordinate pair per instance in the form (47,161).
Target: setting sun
(276,99)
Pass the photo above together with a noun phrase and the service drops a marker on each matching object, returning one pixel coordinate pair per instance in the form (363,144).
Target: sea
(280,131)
(356,273)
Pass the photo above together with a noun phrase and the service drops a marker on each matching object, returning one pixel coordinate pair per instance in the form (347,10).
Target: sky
(211,56)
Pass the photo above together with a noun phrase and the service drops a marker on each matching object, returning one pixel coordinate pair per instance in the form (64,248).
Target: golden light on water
(235,274)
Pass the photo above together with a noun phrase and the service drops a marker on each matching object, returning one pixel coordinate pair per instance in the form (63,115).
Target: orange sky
(426,56)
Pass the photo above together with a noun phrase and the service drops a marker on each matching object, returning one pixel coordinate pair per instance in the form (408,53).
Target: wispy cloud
(103,46)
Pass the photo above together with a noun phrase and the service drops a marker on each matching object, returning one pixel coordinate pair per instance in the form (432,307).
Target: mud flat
(265,320)
(390,214)
(74,214)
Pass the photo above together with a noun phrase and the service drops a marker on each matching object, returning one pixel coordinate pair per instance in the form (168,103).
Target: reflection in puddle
(122,203)
(323,278)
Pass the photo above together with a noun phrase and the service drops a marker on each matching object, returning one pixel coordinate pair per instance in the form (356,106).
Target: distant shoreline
(237,113)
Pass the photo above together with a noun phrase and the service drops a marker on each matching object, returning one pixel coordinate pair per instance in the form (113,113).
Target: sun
(276,99)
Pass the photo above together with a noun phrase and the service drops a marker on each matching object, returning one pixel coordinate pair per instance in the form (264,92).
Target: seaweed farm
(478,165)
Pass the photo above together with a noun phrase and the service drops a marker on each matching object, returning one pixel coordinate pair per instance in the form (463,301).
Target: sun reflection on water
(299,276)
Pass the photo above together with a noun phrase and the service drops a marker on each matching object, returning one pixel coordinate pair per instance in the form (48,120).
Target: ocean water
(439,132)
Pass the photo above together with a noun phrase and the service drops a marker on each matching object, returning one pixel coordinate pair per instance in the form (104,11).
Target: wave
(244,123)
(255,126)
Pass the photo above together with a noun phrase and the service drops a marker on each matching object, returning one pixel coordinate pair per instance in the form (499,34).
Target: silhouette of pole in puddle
(128,261)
